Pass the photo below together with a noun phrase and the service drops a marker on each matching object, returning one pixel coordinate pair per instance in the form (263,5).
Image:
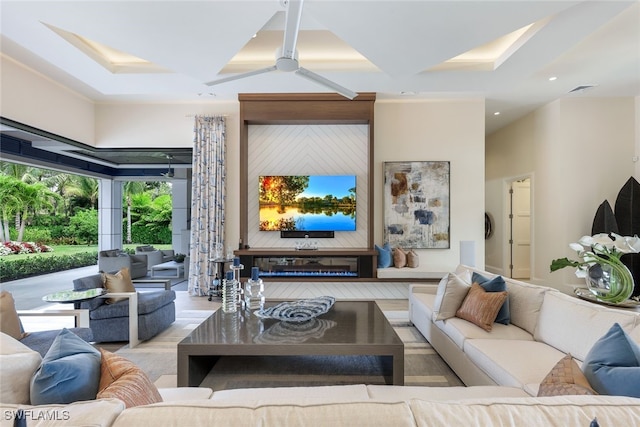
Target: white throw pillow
(17,365)
(452,290)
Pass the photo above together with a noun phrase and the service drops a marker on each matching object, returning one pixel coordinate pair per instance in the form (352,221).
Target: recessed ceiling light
(553,78)
(497,113)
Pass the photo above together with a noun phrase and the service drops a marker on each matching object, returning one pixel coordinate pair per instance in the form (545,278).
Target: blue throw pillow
(497,284)
(70,371)
(384,256)
(612,366)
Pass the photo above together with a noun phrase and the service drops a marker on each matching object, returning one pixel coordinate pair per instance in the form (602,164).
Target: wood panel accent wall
(307,108)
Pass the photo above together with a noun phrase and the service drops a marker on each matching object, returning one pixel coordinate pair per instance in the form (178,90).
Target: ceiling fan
(287,56)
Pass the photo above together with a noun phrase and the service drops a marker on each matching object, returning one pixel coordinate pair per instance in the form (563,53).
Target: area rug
(158,358)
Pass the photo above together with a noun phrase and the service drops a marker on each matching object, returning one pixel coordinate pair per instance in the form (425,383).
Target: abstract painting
(416,204)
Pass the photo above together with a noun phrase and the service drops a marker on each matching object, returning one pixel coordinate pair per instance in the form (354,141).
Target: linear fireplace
(325,264)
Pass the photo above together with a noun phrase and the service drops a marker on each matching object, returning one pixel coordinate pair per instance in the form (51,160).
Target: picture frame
(417,204)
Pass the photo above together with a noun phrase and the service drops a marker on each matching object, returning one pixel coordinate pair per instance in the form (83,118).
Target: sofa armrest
(81,315)
(133,314)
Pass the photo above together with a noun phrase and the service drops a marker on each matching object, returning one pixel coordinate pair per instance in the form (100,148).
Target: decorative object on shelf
(416,204)
(306,244)
(607,278)
(179,258)
(229,293)
(298,311)
(235,270)
(254,291)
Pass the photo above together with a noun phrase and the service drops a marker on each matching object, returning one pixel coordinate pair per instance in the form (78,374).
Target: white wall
(30,98)
(451,130)
(448,130)
(580,152)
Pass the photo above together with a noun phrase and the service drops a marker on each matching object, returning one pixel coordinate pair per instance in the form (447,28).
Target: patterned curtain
(207,200)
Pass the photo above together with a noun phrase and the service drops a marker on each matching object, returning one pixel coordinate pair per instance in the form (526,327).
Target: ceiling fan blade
(316,78)
(241,76)
(291,27)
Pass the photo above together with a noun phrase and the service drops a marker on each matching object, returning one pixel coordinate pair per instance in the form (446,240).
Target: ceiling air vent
(581,88)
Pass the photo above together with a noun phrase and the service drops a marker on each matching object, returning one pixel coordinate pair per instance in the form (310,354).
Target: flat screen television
(307,202)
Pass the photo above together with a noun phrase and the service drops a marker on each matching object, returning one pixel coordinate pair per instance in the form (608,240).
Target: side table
(66,297)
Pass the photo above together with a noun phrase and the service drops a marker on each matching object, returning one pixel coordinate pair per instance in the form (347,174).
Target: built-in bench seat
(418,273)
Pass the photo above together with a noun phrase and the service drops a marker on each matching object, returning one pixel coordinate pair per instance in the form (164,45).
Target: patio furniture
(110,322)
(155,256)
(113,260)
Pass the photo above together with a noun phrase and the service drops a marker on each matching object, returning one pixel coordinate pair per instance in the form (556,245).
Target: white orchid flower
(576,247)
(626,244)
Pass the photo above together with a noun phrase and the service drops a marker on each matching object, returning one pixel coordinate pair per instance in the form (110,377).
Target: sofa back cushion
(572,325)
(525,301)
(17,364)
(89,282)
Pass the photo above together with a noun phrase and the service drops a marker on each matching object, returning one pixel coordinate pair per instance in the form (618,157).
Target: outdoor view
(50,219)
(307,203)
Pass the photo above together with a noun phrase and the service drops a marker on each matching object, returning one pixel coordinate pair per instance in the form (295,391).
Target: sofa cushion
(496,284)
(118,282)
(148,302)
(452,290)
(122,379)
(334,393)
(460,330)
(395,393)
(481,307)
(561,411)
(9,320)
(70,371)
(209,413)
(612,366)
(565,378)
(573,326)
(503,360)
(384,256)
(525,302)
(17,365)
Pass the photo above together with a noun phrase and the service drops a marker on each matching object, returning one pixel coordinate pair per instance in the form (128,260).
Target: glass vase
(610,281)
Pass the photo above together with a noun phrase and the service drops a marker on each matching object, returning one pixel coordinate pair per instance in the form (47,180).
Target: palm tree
(10,190)
(34,198)
(131,188)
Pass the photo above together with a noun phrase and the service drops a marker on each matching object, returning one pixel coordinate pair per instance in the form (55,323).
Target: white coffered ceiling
(398,49)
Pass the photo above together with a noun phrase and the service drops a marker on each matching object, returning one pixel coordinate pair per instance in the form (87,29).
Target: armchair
(114,260)
(155,256)
(110,322)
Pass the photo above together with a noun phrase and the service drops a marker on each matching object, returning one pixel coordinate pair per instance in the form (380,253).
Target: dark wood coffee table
(349,328)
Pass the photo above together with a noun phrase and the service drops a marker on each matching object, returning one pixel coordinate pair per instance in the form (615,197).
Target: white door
(521,229)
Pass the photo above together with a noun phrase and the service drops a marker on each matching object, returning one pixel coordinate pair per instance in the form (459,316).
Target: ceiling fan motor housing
(284,63)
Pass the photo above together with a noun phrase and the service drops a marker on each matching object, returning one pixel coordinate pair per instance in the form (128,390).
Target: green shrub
(83,226)
(35,265)
(149,236)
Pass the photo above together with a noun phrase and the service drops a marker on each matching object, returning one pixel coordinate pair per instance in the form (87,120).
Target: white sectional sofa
(546,324)
(501,368)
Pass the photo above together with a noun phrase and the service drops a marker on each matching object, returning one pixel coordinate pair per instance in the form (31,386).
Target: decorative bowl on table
(298,311)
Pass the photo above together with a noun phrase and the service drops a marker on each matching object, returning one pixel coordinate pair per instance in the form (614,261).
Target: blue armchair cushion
(89,282)
(148,302)
(70,371)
